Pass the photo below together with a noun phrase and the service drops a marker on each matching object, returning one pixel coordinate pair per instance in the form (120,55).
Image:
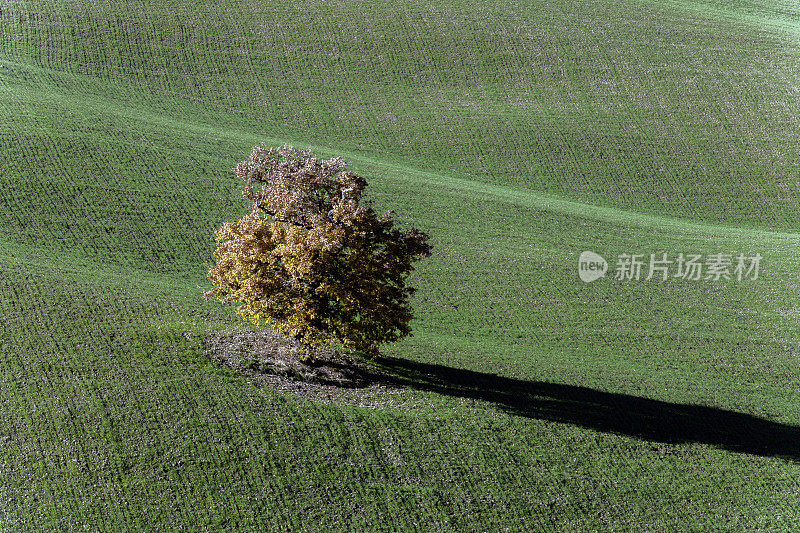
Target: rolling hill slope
(516,134)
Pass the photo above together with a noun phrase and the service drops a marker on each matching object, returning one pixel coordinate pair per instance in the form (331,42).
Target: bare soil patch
(270,359)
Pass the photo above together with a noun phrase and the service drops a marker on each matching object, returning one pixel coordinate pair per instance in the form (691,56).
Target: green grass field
(518,134)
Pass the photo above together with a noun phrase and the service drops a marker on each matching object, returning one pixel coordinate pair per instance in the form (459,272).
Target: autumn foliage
(311,260)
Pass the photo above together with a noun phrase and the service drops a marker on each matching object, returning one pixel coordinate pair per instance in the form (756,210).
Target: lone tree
(310,260)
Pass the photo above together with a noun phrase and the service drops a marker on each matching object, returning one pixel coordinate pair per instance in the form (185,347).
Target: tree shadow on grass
(643,418)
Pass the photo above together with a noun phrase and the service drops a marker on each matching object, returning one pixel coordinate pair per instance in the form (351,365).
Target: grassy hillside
(517,135)
(684,108)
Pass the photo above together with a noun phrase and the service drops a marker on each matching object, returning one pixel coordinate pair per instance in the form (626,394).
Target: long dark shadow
(652,420)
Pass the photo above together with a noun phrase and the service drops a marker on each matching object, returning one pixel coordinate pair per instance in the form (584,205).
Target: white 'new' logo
(591,266)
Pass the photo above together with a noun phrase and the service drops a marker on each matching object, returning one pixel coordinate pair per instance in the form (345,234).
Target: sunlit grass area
(518,135)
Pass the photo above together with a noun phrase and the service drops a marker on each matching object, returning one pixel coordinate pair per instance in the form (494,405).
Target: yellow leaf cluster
(310,260)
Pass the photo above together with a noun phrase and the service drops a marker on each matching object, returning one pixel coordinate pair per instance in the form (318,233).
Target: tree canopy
(311,260)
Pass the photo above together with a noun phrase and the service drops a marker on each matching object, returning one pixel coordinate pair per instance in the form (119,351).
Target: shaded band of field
(652,420)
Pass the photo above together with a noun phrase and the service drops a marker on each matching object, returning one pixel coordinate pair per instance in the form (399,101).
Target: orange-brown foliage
(312,262)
